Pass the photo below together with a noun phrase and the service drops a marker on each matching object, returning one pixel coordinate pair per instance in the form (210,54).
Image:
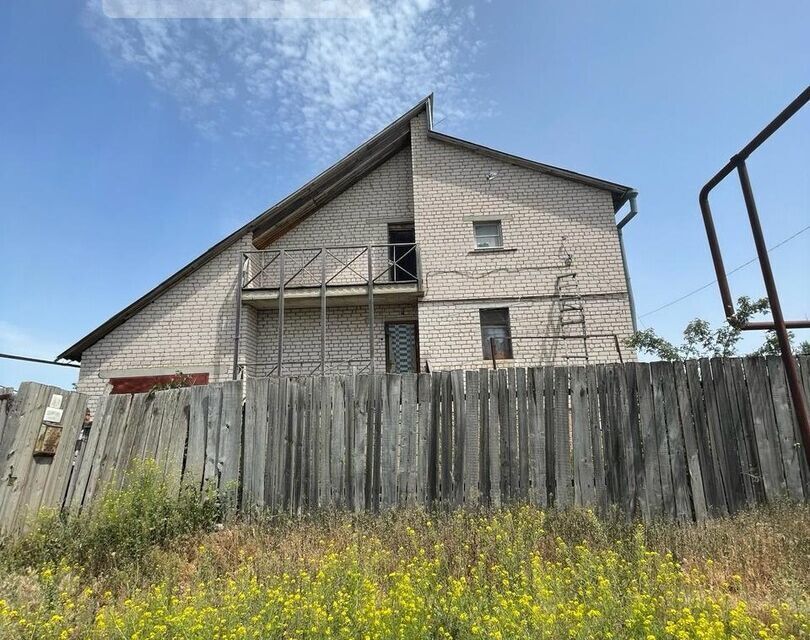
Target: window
(488,235)
(495,333)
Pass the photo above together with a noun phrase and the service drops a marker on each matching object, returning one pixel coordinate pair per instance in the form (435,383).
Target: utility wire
(734,270)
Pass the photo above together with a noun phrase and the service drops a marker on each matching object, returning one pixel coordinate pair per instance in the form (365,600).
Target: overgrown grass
(122,526)
(515,573)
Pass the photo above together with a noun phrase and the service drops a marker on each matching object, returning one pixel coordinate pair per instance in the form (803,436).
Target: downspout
(631,196)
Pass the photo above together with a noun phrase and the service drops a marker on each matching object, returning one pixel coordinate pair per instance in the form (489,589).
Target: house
(417,251)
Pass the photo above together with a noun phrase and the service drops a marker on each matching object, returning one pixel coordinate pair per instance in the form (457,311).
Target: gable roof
(330,183)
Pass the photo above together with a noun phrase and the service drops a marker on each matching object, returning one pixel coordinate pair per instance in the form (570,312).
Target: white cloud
(317,84)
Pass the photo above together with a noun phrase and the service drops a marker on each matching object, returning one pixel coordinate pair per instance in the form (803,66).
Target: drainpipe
(632,195)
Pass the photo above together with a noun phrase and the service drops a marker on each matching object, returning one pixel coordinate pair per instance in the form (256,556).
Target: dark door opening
(401,347)
(402,252)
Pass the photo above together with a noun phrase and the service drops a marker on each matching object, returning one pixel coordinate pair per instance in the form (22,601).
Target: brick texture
(543,218)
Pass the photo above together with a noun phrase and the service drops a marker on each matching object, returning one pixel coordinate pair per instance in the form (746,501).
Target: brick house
(417,251)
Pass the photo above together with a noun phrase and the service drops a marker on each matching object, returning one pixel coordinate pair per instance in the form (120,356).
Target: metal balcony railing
(346,266)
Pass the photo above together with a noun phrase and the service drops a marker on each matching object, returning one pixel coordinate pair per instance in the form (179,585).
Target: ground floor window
(143,384)
(496,333)
(401,347)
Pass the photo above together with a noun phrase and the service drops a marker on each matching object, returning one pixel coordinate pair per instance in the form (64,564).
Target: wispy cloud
(318,84)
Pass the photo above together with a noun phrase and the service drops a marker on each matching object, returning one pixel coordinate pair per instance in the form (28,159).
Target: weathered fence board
(663,440)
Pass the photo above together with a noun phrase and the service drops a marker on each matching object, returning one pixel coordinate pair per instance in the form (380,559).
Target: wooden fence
(678,441)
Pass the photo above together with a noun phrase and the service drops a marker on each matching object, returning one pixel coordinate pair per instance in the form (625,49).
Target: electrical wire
(734,270)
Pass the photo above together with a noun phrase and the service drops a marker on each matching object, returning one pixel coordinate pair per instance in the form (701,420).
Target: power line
(734,270)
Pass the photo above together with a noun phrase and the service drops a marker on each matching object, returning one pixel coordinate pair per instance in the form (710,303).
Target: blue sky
(129,146)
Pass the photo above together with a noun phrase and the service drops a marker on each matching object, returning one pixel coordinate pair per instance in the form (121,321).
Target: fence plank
(348,468)
(744,432)
(728,419)
(33,399)
(459,435)
(584,490)
(538,494)
(505,434)
(446,439)
(425,417)
(662,444)
(653,503)
(56,483)
(255,443)
(114,422)
(595,432)
(626,406)
(804,368)
(719,457)
(211,471)
(472,440)
(523,432)
(551,472)
(765,434)
(230,440)
(325,443)
(789,447)
(494,444)
(338,443)
(562,441)
(690,444)
(677,452)
(390,440)
(733,430)
(483,413)
(715,502)
(408,470)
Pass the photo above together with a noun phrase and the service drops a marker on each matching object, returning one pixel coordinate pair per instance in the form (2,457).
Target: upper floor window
(496,333)
(488,234)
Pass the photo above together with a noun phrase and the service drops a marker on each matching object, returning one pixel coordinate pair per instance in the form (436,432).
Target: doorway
(401,347)
(402,252)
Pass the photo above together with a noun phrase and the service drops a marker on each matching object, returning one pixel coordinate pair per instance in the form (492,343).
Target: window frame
(504,327)
(478,224)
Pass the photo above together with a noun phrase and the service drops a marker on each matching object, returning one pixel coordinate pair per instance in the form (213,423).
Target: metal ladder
(571,315)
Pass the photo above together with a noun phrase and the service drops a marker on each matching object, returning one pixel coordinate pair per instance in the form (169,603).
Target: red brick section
(142,384)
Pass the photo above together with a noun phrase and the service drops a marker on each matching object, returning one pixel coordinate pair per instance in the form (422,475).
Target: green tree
(701,340)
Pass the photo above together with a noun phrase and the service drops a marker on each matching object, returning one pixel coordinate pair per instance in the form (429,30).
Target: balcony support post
(370,310)
(323,311)
(238,322)
(281,276)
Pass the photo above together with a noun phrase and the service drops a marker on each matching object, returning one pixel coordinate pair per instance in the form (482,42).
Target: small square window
(488,234)
(496,333)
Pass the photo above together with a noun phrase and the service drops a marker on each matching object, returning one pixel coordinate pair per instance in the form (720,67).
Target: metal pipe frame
(779,324)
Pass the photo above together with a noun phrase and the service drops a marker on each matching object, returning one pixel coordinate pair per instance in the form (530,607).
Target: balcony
(352,275)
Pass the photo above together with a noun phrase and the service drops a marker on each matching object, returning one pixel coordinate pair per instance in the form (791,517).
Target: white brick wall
(537,211)
(189,327)
(346,342)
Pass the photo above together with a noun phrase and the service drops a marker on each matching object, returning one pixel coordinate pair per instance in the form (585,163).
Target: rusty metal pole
(791,369)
